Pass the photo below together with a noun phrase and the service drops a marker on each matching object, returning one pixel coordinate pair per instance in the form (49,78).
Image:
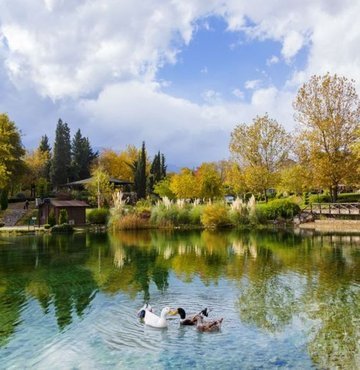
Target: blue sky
(179,75)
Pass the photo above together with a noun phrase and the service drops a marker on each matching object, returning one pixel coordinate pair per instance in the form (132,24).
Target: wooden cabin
(76,210)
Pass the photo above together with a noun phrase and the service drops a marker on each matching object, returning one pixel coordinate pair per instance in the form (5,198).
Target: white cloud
(211,96)
(293,42)
(272,60)
(252,84)
(98,62)
(238,93)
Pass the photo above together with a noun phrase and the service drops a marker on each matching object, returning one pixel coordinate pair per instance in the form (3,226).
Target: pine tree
(140,173)
(61,161)
(82,156)
(45,147)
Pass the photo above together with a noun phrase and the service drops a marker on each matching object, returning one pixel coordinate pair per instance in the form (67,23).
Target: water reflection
(278,278)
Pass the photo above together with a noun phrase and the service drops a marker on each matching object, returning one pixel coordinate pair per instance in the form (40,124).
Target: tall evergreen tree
(82,156)
(140,173)
(157,171)
(61,161)
(45,148)
(44,145)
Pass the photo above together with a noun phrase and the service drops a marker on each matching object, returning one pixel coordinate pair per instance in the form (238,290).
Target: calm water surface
(288,300)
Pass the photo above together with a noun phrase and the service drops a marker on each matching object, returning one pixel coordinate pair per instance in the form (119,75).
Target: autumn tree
(328,110)
(260,148)
(11,153)
(61,161)
(36,163)
(209,181)
(118,165)
(185,185)
(233,178)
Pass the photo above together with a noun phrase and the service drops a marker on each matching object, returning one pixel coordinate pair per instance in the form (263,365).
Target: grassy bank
(166,214)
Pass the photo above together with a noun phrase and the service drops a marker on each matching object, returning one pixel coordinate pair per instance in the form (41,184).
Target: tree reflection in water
(280,276)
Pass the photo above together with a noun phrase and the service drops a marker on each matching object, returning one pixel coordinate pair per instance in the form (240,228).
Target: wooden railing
(333,208)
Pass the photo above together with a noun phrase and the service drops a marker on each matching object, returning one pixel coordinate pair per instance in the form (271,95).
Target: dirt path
(14,213)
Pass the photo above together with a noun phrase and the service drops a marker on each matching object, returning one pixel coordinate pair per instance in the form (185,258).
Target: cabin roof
(68,203)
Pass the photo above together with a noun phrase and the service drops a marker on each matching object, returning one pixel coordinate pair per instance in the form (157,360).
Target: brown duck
(190,320)
(214,325)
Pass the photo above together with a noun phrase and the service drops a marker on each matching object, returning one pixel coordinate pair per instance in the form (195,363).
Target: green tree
(162,189)
(63,217)
(139,167)
(99,187)
(11,153)
(82,156)
(45,148)
(61,161)
(157,171)
(262,147)
(328,109)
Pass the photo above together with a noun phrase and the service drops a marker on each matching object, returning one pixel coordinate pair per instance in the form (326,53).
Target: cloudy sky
(179,74)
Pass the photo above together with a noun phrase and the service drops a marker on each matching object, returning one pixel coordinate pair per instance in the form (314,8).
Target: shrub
(143,206)
(51,218)
(131,221)
(279,208)
(4,200)
(342,198)
(62,229)
(47,226)
(97,216)
(239,213)
(195,214)
(63,217)
(20,196)
(215,215)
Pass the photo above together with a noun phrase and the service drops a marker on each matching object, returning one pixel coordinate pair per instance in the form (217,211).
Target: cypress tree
(61,161)
(140,173)
(157,171)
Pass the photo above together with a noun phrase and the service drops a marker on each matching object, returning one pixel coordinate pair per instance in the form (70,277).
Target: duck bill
(173,312)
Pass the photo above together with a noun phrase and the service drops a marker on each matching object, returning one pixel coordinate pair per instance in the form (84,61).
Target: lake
(288,299)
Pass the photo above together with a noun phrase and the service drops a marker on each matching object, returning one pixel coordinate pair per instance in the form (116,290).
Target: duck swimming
(146,307)
(214,325)
(153,320)
(190,320)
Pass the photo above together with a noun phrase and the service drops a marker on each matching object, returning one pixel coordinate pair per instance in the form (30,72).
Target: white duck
(153,320)
(146,307)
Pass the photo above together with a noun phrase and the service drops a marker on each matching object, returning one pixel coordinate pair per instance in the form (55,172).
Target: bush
(131,221)
(195,214)
(98,216)
(279,208)
(51,218)
(63,217)
(62,229)
(342,198)
(47,226)
(4,200)
(215,216)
